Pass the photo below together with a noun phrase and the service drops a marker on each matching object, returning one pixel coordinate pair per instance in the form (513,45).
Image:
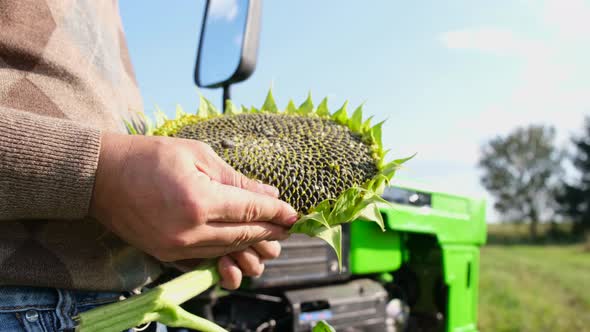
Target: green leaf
(324,206)
(203,110)
(231,109)
(212,109)
(389,169)
(366,125)
(269,104)
(352,203)
(372,213)
(179,112)
(322,326)
(403,160)
(160,117)
(356,120)
(130,128)
(323,108)
(316,225)
(291,108)
(148,126)
(344,206)
(376,132)
(340,116)
(310,224)
(307,106)
(333,236)
(378,184)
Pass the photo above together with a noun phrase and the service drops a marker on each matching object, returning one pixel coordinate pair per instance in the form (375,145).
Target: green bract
(322,326)
(318,217)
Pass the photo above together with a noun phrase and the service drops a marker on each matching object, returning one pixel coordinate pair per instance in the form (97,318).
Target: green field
(534,288)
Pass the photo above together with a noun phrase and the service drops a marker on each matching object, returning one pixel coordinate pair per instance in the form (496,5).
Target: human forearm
(47,166)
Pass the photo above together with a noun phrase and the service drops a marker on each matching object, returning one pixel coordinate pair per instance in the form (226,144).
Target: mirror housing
(228,47)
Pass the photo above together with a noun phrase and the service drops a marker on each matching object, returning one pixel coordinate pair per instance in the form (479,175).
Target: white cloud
(484,39)
(570,18)
(223,9)
(499,41)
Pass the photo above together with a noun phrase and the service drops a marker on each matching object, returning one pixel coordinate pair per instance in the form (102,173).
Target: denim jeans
(47,309)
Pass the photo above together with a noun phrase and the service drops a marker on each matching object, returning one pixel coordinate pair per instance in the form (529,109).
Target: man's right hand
(176,199)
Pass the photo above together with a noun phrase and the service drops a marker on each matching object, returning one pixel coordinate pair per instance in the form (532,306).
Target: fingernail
(292,219)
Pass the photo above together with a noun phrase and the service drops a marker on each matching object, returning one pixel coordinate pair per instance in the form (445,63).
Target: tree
(522,171)
(575,198)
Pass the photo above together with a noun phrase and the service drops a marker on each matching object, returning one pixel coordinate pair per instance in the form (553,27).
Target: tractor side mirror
(229,43)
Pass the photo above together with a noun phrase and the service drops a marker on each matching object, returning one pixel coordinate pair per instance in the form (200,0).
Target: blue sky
(447,75)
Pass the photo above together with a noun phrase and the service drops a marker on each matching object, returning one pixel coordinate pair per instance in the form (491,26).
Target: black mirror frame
(249,53)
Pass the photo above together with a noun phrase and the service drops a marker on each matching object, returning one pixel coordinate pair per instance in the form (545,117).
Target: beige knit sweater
(65,76)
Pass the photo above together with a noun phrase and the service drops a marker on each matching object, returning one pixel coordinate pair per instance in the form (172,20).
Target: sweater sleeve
(47,166)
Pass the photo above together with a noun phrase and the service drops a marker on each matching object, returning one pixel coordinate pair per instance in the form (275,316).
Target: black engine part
(355,306)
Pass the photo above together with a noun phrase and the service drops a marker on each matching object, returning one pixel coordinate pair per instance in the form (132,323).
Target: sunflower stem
(158,304)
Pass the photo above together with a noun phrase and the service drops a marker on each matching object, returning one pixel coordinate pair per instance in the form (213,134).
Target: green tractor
(421,274)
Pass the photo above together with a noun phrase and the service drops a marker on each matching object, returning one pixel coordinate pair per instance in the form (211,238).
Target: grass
(534,287)
(505,233)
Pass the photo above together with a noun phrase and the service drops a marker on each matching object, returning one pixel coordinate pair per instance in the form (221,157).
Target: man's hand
(176,199)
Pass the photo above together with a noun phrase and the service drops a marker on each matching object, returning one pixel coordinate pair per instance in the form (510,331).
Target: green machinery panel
(373,251)
(458,224)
